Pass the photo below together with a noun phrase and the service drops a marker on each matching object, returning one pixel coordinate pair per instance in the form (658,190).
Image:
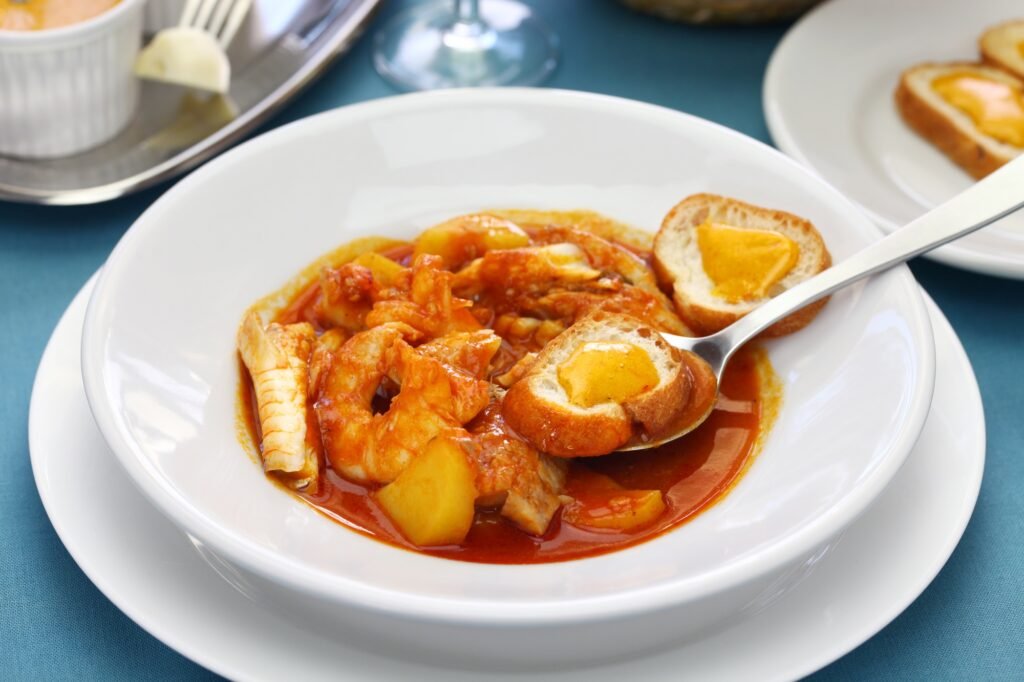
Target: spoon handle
(988,200)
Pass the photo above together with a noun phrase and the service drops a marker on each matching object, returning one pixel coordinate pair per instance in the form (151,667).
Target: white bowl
(160,372)
(68,89)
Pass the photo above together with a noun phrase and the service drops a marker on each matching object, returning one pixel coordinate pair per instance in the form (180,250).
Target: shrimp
(469,351)
(463,238)
(570,275)
(426,303)
(326,345)
(525,271)
(630,300)
(348,292)
(642,299)
(276,358)
(346,296)
(435,399)
(605,256)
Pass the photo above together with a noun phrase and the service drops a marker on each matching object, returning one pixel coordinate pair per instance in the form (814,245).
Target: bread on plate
(1001,46)
(973,113)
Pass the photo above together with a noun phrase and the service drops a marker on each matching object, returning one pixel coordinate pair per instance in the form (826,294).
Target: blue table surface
(54,624)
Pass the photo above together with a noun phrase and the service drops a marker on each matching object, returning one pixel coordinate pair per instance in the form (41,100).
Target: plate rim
(296,576)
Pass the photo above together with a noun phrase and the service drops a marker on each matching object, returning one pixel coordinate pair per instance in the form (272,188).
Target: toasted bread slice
(539,408)
(949,128)
(1001,47)
(679,263)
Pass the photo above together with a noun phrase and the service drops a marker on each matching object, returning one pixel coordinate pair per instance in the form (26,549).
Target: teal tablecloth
(969,624)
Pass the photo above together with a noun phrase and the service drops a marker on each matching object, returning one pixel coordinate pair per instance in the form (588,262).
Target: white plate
(828,100)
(143,564)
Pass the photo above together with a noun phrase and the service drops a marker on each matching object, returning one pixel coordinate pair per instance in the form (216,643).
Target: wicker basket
(722,11)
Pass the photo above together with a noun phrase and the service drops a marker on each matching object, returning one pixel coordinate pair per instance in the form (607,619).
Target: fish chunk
(512,475)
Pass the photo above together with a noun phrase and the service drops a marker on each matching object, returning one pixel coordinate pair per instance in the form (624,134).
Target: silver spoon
(990,199)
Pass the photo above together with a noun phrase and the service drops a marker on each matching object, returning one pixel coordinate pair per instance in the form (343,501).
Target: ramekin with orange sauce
(66,81)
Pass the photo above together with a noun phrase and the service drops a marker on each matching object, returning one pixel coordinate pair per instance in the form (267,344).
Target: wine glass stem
(468,33)
(467,11)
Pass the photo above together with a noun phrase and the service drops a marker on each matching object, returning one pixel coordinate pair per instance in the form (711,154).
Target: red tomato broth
(692,473)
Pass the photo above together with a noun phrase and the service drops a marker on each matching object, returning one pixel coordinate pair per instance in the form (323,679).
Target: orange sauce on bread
(586,375)
(997,108)
(743,263)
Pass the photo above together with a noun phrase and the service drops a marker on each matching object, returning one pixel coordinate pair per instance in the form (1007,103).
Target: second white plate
(828,100)
(152,572)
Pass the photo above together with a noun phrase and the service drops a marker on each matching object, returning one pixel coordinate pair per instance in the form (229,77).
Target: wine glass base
(425,48)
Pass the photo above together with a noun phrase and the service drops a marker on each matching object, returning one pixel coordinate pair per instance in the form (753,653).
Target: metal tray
(280,50)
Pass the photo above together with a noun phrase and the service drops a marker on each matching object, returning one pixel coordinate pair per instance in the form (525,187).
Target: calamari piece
(513,475)
(277,358)
(434,399)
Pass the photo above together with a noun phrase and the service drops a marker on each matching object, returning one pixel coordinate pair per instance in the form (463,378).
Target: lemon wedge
(185,56)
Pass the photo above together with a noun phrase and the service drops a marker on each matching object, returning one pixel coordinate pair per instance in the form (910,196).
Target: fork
(219,18)
(193,53)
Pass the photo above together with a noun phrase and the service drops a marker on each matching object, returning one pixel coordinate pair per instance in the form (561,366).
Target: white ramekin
(162,13)
(65,90)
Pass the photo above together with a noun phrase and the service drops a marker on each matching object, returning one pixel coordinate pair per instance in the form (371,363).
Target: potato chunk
(432,501)
(385,271)
(602,504)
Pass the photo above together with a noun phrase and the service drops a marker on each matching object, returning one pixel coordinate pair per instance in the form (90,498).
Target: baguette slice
(1001,47)
(538,406)
(679,264)
(947,127)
